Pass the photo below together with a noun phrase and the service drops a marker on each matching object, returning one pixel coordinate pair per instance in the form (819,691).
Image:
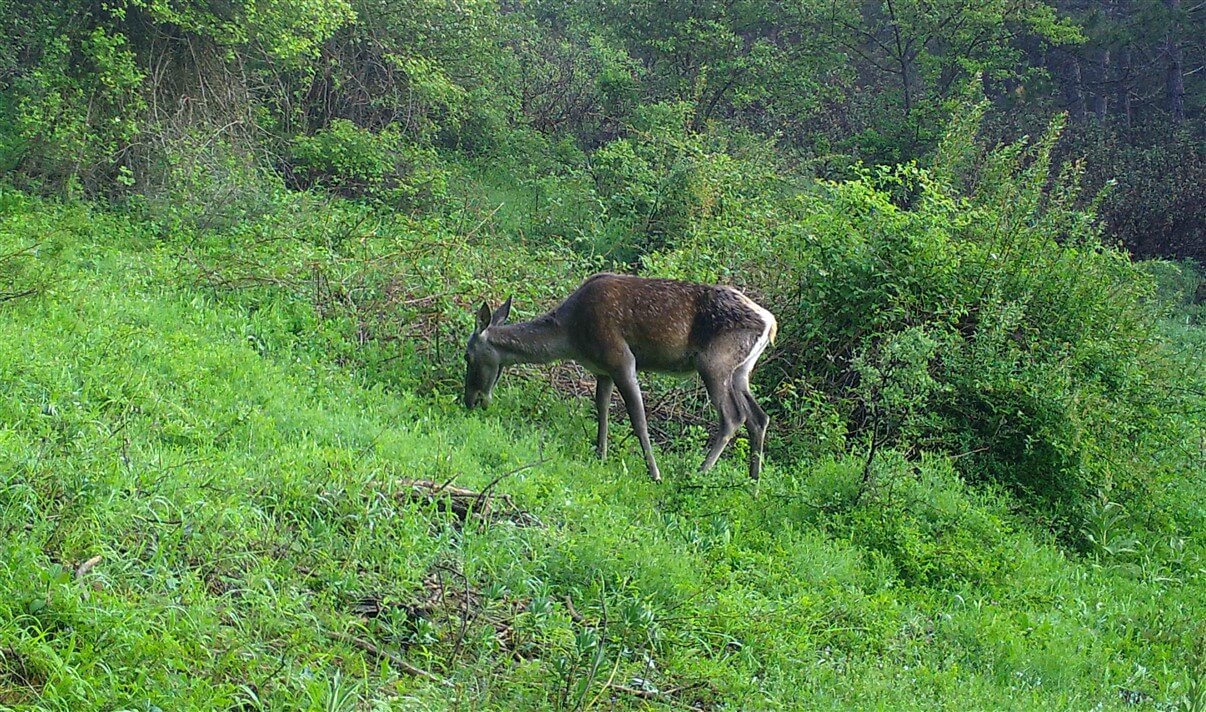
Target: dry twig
(87,566)
(464,503)
(391,658)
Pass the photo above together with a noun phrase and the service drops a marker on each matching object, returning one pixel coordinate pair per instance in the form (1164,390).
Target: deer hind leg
(625,379)
(718,379)
(756,421)
(603,388)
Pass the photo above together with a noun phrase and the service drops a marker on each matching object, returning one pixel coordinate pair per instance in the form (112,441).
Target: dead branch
(27,250)
(17,295)
(389,657)
(666,695)
(464,503)
(573,612)
(87,566)
(485,220)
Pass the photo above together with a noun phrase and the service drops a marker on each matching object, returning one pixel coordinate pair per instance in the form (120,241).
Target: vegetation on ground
(241,245)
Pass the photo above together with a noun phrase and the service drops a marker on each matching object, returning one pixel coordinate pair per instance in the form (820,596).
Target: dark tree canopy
(95,92)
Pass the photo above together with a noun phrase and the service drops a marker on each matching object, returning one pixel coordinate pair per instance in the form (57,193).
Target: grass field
(205,503)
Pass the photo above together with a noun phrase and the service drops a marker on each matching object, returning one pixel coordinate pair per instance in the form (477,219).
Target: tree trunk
(1124,86)
(1176,63)
(907,86)
(903,60)
(1101,94)
(1074,95)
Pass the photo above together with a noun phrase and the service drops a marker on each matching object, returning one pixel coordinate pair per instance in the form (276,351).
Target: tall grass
(203,504)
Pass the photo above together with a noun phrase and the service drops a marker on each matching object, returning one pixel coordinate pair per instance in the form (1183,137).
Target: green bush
(359,163)
(932,530)
(571,82)
(78,108)
(980,316)
(664,180)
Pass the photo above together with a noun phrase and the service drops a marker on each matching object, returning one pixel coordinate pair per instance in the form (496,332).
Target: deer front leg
(603,387)
(630,390)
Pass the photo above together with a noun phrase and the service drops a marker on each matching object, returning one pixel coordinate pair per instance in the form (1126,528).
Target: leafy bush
(930,527)
(78,107)
(971,308)
(288,33)
(664,179)
(356,162)
(579,85)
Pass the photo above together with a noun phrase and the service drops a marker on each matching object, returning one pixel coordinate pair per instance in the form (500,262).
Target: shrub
(929,527)
(579,84)
(664,180)
(969,308)
(78,107)
(359,163)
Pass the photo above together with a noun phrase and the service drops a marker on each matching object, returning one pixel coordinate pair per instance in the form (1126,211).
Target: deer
(617,325)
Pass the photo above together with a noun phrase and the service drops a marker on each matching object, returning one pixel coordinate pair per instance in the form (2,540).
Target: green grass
(239,469)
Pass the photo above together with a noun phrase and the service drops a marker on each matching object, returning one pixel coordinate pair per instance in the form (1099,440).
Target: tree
(721,56)
(1176,63)
(919,50)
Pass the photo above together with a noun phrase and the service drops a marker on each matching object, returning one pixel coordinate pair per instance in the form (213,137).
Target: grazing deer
(615,325)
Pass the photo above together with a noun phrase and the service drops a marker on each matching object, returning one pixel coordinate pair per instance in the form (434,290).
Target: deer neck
(538,341)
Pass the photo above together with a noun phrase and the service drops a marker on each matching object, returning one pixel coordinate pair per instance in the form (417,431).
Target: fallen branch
(391,658)
(464,503)
(635,692)
(573,613)
(471,233)
(87,566)
(13,296)
(666,694)
(28,249)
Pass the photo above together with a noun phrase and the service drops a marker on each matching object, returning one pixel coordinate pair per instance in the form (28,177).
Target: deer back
(665,323)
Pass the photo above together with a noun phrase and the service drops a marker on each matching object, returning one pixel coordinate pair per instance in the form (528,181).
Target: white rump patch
(769,327)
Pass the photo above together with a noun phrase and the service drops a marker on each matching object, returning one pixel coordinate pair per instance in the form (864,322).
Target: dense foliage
(109,96)
(970,307)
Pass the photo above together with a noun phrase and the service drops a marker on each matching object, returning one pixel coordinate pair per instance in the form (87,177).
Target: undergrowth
(206,502)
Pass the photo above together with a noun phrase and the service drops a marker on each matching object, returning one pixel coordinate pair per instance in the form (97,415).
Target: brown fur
(665,323)
(616,325)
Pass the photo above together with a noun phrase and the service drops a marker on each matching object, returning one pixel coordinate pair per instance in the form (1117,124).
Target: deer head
(483,361)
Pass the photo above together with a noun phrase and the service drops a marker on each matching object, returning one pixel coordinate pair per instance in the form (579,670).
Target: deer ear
(483,317)
(500,316)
